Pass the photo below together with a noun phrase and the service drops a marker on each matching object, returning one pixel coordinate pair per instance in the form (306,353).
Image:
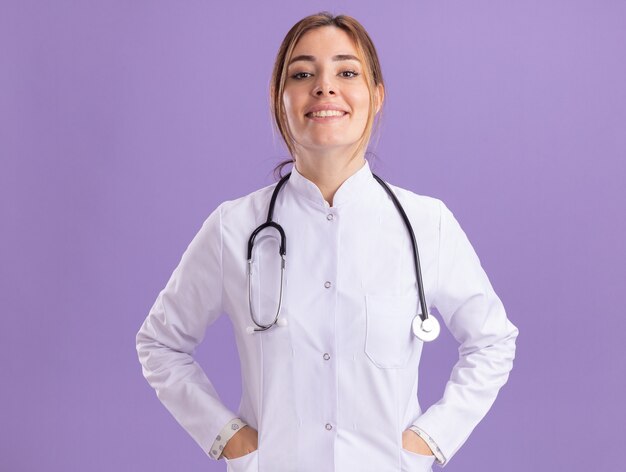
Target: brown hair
(366,50)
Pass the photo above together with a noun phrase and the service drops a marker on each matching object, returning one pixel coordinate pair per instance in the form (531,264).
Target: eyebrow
(338,57)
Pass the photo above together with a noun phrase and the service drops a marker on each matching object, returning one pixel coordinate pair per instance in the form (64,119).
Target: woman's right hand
(243,442)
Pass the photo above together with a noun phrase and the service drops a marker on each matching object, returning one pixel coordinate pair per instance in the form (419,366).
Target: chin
(331,142)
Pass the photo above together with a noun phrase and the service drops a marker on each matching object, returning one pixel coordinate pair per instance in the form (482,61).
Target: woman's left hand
(412,442)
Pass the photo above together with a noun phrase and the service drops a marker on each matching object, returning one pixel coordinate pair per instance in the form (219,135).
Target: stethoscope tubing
(416,258)
(429,327)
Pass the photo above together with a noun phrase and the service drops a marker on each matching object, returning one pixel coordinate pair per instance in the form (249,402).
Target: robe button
(326,356)
(329,426)
(327,284)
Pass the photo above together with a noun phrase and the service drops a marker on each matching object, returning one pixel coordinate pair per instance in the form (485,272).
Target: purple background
(123,124)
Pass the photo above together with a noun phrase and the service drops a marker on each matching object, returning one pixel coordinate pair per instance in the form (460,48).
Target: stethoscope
(424,326)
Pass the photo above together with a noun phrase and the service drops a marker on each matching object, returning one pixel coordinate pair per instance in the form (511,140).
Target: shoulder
(431,211)
(419,205)
(427,211)
(247,202)
(245,208)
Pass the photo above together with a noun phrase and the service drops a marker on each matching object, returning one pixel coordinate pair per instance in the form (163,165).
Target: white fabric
(334,389)
(229,430)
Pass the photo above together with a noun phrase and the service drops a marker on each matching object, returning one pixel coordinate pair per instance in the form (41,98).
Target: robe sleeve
(190,302)
(476,317)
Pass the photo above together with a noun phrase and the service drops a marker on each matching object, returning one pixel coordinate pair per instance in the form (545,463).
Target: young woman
(329,327)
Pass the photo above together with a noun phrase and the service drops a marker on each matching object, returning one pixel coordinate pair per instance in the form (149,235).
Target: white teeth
(324,113)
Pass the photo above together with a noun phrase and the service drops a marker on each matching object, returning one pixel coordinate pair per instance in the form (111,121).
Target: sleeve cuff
(226,433)
(431,443)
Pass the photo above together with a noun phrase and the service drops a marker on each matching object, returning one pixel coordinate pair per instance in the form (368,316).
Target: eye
(299,75)
(353,74)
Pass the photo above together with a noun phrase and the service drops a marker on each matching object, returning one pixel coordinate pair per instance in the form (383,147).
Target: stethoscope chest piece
(426,330)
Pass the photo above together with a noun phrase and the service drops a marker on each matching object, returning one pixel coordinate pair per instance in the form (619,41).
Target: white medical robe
(334,389)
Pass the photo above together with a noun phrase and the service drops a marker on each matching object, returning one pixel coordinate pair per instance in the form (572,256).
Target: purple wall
(123,124)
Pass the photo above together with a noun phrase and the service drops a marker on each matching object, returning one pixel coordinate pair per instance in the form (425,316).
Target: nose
(324,86)
(324,90)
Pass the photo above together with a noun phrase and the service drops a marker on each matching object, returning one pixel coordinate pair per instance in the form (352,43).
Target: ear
(380,96)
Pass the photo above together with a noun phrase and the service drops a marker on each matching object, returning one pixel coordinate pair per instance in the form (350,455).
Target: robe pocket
(414,462)
(246,463)
(389,339)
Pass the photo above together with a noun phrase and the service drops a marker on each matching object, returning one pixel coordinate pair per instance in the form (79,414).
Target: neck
(329,170)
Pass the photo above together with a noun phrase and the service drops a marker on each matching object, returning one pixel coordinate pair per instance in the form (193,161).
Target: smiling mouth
(326,114)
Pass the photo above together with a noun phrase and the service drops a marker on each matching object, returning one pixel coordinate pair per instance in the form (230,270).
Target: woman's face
(325,72)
